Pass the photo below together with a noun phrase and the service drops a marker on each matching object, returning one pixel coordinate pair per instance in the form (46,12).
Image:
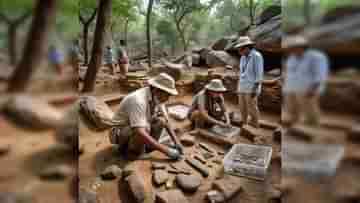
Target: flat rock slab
(228,186)
(311,160)
(251,161)
(111,172)
(171,196)
(188,183)
(225,132)
(59,172)
(187,140)
(160,177)
(179,111)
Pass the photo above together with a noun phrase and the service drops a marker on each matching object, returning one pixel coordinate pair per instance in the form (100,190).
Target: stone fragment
(157,165)
(268,124)
(4,149)
(354,133)
(187,140)
(199,158)
(58,172)
(229,186)
(160,177)
(169,184)
(215,196)
(277,134)
(137,187)
(198,166)
(188,183)
(111,172)
(171,196)
(87,196)
(206,147)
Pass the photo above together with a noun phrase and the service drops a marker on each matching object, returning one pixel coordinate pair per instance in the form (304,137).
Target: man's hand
(173,154)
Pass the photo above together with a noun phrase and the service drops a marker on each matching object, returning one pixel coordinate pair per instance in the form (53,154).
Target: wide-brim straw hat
(243,41)
(216,85)
(295,41)
(164,82)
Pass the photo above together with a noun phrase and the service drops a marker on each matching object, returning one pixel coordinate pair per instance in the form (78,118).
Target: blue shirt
(56,57)
(108,56)
(251,72)
(303,72)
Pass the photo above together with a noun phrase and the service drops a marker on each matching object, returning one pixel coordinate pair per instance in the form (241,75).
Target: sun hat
(164,82)
(216,85)
(294,41)
(243,41)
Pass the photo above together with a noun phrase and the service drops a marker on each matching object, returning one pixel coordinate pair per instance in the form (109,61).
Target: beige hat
(243,41)
(216,85)
(164,82)
(294,41)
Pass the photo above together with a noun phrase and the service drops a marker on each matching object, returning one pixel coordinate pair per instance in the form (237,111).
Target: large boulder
(224,42)
(220,58)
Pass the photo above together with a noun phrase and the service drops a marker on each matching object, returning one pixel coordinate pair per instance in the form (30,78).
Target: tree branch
(22,18)
(4,18)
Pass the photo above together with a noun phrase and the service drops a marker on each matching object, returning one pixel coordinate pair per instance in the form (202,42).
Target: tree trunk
(307,12)
(148,32)
(85,41)
(45,12)
(182,36)
(12,34)
(126,31)
(102,22)
(251,6)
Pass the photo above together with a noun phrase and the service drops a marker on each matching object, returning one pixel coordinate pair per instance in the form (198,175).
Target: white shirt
(251,72)
(302,72)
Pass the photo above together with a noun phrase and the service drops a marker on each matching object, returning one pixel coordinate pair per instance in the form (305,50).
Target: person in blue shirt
(109,59)
(251,70)
(306,72)
(57,59)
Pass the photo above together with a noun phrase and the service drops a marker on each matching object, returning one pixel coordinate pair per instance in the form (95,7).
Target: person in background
(109,59)
(208,106)
(143,120)
(123,59)
(56,58)
(250,79)
(306,72)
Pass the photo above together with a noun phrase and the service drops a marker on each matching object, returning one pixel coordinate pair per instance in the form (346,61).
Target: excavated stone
(137,187)
(188,183)
(171,196)
(187,140)
(268,124)
(58,172)
(111,172)
(215,196)
(4,149)
(228,186)
(87,196)
(157,165)
(354,133)
(160,177)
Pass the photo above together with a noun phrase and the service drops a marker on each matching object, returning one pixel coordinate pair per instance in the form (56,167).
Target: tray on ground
(251,161)
(225,132)
(311,160)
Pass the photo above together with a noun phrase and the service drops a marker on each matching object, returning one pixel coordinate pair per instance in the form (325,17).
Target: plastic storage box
(251,161)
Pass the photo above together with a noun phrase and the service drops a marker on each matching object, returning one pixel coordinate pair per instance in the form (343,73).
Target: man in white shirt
(250,78)
(139,114)
(306,72)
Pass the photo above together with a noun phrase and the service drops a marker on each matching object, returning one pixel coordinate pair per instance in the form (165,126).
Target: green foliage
(15,8)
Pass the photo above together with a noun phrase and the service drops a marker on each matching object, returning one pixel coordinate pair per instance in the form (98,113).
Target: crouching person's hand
(173,154)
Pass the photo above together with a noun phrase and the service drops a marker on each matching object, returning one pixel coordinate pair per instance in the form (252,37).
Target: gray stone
(188,183)
(171,196)
(58,172)
(111,172)
(137,187)
(87,196)
(160,177)
(220,58)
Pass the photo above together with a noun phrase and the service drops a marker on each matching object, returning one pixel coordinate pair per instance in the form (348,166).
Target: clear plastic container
(251,161)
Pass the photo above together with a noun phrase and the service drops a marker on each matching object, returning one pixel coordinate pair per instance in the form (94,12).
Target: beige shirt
(214,107)
(135,109)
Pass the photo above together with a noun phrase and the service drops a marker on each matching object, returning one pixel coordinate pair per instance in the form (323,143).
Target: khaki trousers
(298,107)
(130,142)
(249,107)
